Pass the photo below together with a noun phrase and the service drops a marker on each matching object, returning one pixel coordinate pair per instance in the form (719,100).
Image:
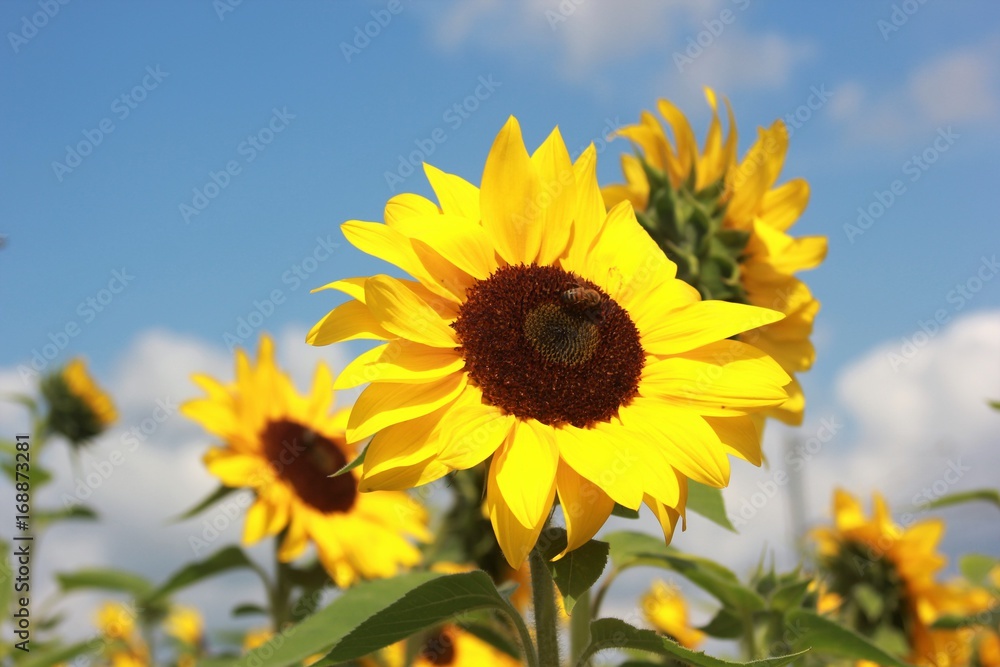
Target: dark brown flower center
(543,343)
(306,459)
(439,648)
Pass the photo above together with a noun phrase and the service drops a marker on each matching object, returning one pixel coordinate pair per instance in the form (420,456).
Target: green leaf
(38,475)
(207,502)
(708,502)
(724,625)
(6,580)
(106,580)
(353,464)
(995,405)
(975,567)
(826,637)
(578,570)
(629,549)
(988,618)
(613,633)
(871,601)
(248,609)
(76,512)
(229,558)
(375,614)
(624,512)
(426,606)
(986,495)
(55,656)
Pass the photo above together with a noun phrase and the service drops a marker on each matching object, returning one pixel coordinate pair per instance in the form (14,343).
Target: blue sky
(309,118)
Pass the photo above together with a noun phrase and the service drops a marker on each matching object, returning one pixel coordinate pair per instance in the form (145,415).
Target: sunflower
(450,646)
(186,625)
(285,447)
(78,408)
(123,646)
(666,610)
(726,224)
(885,575)
(549,334)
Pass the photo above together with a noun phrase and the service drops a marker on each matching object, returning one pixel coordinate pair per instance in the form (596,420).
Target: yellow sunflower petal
(472,431)
(352,287)
(458,197)
(739,435)
(717,379)
(609,462)
(702,323)
(525,471)
(384,404)
(515,539)
(783,205)
(400,361)
(510,185)
(459,240)
(348,321)
(407,205)
(403,313)
(557,199)
(585,506)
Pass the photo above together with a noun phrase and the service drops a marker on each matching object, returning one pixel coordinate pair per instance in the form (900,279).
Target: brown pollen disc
(543,343)
(306,459)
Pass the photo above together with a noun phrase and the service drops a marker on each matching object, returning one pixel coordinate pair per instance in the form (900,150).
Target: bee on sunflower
(486,357)
(725,223)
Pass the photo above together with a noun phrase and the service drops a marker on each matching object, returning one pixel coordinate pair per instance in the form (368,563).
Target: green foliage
(577,571)
(985,495)
(221,492)
(613,633)
(229,558)
(105,579)
(824,636)
(707,501)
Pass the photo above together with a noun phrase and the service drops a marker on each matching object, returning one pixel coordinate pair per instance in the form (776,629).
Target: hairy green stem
(544,595)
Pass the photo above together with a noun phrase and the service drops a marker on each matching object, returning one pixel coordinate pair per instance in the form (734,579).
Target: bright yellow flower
(256,638)
(285,447)
(666,610)
(550,335)
(116,620)
(185,624)
(78,408)
(745,197)
(453,647)
(899,566)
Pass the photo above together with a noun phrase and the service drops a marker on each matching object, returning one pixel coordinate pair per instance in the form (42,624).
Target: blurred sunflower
(185,624)
(123,647)
(78,408)
(885,577)
(450,646)
(552,335)
(725,224)
(666,610)
(285,447)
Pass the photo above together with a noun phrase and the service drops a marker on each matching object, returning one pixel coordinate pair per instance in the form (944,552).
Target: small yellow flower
(742,252)
(260,636)
(116,620)
(78,408)
(185,624)
(549,338)
(666,610)
(285,447)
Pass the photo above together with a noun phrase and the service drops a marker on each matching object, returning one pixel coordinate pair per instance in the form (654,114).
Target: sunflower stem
(579,628)
(544,595)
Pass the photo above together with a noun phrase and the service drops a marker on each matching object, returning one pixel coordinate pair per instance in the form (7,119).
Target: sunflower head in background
(551,339)
(122,646)
(884,575)
(284,447)
(725,224)
(666,610)
(78,408)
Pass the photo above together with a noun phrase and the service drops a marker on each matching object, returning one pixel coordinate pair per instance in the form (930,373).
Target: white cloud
(960,87)
(586,38)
